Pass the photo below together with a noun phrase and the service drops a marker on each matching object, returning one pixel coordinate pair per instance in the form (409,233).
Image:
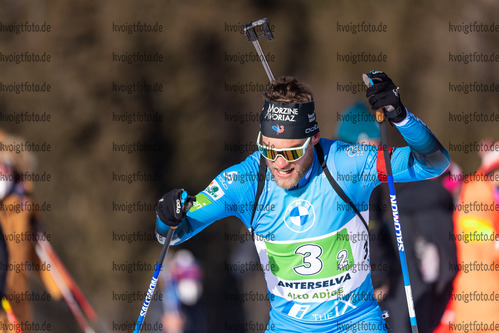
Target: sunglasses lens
(292,155)
(288,155)
(268,153)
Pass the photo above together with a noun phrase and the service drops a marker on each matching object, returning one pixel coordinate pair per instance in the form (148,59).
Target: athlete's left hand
(384,94)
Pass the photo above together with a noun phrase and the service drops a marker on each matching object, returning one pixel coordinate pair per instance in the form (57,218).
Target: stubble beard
(289,183)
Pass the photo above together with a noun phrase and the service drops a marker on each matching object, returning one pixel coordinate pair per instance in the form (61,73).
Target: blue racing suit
(313,248)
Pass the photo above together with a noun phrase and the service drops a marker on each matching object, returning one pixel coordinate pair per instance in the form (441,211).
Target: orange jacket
(475,300)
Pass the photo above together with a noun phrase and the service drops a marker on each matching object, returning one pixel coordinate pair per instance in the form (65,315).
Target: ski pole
(186,202)
(154,281)
(380,117)
(252,36)
(47,248)
(10,316)
(66,293)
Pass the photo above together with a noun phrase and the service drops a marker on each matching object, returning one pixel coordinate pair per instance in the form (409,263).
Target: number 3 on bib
(311,262)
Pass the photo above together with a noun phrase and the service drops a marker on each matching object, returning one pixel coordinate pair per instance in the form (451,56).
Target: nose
(280,162)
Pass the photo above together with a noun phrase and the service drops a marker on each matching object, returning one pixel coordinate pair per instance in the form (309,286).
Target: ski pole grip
(266,30)
(252,35)
(380,113)
(186,201)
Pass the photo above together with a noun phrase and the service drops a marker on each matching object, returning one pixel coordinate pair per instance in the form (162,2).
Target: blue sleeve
(231,193)
(424,158)
(358,170)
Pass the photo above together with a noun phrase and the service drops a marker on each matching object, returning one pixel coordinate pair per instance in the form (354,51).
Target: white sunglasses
(289,154)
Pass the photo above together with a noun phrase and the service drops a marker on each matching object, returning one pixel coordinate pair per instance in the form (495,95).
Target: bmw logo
(299,215)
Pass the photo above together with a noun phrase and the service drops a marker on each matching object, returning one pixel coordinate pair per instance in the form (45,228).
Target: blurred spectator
(358,125)
(452,180)
(5,185)
(425,210)
(182,290)
(18,221)
(474,302)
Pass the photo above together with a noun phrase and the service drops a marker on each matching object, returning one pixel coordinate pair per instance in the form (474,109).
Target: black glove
(383,93)
(170,210)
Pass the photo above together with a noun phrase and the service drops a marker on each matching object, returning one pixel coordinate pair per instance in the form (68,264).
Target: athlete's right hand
(171,209)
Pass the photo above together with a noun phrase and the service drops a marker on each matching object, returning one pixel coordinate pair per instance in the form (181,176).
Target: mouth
(284,173)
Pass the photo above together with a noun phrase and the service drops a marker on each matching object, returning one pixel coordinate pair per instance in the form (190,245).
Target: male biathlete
(313,246)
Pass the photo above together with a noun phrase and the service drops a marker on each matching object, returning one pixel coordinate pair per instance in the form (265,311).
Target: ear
(315,139)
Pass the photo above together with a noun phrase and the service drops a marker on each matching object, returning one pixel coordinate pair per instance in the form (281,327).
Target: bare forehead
(282,143)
